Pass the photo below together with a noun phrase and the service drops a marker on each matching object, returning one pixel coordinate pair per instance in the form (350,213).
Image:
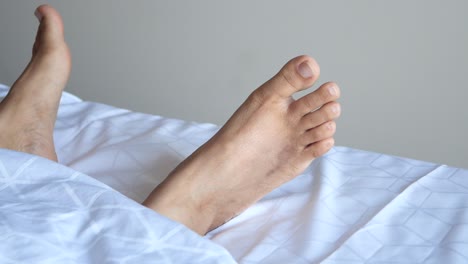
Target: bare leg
(29,111)
(268,141)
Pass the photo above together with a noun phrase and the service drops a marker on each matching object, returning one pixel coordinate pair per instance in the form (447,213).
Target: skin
(28,112)
(268,141)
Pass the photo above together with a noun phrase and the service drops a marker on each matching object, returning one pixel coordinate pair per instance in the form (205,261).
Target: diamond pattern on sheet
(426,221)
(52,214)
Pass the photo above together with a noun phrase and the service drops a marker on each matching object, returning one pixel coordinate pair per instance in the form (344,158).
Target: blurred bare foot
(29,111)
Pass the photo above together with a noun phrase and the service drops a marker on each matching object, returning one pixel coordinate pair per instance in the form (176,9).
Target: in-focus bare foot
(29,111)
(268,141)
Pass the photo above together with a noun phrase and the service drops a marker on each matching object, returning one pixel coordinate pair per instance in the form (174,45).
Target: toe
(328,112)
(318,149)
(324,131)
(298,74)
(326,93)
(50,34)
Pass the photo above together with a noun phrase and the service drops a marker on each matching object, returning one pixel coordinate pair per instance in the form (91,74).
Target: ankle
(177,204)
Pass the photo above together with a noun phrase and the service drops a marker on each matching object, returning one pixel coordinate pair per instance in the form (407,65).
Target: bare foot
(268,141)
(29,111)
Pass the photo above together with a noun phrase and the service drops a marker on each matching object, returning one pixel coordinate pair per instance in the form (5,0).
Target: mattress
(349,206)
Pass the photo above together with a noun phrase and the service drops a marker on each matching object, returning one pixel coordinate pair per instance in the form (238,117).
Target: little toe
(324,131)
(296,75)
(330,111)
(326,93)
(318,149)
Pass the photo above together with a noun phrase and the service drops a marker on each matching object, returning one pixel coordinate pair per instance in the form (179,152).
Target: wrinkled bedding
(350,206)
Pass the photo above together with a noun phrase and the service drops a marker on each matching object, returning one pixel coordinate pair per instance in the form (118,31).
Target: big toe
(50,34)
(298,74)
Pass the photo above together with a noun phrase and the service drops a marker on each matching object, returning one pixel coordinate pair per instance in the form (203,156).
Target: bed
(349,206)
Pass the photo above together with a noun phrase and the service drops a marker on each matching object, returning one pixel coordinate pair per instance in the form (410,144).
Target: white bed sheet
(350,206)
(50,213)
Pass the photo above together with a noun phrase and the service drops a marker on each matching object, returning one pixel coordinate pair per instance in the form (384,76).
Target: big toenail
(38,15)
(305,70)
(332,90)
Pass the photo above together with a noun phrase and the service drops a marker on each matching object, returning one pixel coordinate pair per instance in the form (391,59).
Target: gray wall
(402,65)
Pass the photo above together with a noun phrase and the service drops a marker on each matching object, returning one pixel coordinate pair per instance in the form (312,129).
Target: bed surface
(350,206)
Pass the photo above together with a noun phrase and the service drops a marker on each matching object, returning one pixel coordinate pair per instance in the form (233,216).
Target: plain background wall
(402,65)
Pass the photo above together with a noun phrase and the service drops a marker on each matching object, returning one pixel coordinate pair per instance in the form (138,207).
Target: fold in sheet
(50,213)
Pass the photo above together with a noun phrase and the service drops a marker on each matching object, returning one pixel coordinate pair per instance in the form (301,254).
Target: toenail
(305,70)
(38,15)
(332,90)
(335,109)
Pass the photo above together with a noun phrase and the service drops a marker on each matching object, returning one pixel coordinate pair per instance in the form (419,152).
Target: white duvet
(350,206)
